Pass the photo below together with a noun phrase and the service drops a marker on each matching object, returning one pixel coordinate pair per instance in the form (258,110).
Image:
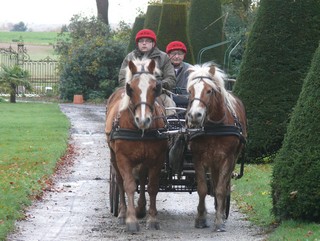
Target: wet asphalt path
(77,208)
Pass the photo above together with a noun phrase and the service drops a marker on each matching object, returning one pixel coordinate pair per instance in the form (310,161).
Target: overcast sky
(61,11)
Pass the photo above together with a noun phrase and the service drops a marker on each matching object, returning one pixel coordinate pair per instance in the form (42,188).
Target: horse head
(142,89)
(206,95)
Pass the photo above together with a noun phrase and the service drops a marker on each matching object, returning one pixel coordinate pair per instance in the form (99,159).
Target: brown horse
(221,120)
(138,149)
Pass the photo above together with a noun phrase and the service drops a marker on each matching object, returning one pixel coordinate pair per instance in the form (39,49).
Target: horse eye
(209,92)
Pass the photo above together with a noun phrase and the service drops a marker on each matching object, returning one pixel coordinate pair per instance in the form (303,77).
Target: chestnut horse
(137,147)
(221,120)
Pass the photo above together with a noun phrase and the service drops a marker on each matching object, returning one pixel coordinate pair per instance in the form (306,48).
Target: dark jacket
(163,63)
(182,78)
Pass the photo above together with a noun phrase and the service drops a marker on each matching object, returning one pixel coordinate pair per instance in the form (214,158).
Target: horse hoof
(122,220)
(132,227)
(220,228)
(201,223)
(153,225)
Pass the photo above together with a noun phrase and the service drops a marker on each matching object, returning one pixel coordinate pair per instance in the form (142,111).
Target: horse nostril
(148,120)
(137,119)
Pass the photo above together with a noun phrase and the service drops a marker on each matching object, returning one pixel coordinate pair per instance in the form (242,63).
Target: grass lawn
(39,45)
(33,138)
(253,195)
(38,38)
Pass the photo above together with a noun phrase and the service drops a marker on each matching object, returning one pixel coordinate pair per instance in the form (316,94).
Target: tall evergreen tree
(278,54)
(173,26)
(137,26)
(206,28)
(153,17)
(296,174)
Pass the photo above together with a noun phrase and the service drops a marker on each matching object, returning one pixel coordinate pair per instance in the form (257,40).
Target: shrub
(205,29)
(295,184)
(173,26)
(137,26)
(278,55)
(91,55)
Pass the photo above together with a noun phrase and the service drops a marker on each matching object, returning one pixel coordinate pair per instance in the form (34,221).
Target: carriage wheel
(113,193)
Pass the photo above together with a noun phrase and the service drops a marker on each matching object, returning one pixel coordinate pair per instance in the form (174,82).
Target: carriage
(178,172)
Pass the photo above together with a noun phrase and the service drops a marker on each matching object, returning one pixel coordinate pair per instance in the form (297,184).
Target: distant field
(38,38)
(39,45)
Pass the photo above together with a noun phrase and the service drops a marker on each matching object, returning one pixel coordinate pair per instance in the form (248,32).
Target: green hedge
(296,174)
(276,60)
(205,29)
(137,26)
(153,17)
(173,26)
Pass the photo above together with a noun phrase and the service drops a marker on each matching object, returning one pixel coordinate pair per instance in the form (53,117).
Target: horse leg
(220,199)
(201,219)
(141,208)
(130,186)
(153,188)
(122,205)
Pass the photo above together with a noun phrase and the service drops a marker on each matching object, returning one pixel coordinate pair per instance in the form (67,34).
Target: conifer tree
(137,26)
(278,55)
(205,28)
(173,26)
(295,184)
(153,17)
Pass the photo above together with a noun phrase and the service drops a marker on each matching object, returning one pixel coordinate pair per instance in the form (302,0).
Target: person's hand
(165,85)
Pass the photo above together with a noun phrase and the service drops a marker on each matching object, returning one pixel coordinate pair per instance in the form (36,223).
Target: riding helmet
(176,45)
(146,33)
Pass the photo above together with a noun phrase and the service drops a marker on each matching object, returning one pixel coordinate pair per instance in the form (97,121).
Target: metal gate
(43,73)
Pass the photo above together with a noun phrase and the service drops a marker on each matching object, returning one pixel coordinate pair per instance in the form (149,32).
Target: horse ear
(212,70)
(128,90)
(152,66)
(158,88)
(132,67)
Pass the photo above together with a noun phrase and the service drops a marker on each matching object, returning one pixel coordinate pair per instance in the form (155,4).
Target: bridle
(199,99)
(151,107)
(206,104)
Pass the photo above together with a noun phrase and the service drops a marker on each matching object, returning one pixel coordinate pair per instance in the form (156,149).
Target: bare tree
(103,6)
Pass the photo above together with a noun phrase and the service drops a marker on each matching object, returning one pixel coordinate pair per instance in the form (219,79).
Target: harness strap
(137,135)
(219,130)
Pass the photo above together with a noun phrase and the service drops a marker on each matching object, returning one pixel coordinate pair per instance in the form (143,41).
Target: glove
(165,85)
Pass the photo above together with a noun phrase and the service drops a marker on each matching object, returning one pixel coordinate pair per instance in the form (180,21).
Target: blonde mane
(216,81)
(142,66)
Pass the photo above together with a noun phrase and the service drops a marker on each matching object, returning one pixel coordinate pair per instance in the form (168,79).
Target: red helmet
(176,45)
(146,33)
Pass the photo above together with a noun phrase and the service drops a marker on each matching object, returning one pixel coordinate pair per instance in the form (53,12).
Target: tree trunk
(13,94)
(102,7)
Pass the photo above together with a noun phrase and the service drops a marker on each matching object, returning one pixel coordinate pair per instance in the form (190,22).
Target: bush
(276,60)
(91,55)
(205,29)
(295,184)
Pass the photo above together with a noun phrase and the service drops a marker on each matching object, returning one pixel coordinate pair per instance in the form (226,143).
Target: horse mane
(142,66)
(216,81)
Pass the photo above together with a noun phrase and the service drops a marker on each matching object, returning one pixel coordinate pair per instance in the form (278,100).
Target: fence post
(21,52)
